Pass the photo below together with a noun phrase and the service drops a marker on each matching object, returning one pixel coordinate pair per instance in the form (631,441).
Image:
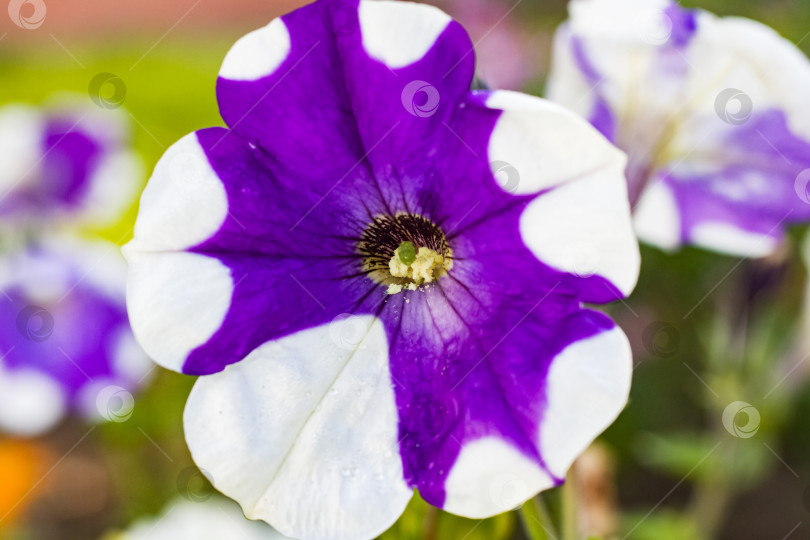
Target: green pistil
(407,252)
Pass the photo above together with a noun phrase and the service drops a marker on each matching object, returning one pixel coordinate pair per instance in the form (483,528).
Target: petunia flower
(711,111)
(64,335)
(65,164)
(381,276)
(212,519)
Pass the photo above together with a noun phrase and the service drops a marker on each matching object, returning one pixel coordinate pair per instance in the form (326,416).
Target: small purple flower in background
(711,111)
(381,275)
(64,336)
(504,50)
(65,165)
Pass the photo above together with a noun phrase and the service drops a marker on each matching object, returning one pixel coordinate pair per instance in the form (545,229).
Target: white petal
(588,385)
(400,33)
(303,433)
(746,55)
(546,143)
(726,238)
(490,477)
(183,204)
(584,228)
(258,54)
(113,188)
(176,301)
(30,403)
(21,141)
(214,519)
(657,218)
(567,85)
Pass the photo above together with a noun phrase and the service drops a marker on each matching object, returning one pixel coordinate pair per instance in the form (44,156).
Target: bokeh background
(707,330)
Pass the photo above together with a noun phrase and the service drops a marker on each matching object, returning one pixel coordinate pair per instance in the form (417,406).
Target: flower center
(404,251)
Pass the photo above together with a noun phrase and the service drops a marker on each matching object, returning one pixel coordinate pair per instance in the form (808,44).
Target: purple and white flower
(711,111)
(65,164)
(64,335)
(381,275)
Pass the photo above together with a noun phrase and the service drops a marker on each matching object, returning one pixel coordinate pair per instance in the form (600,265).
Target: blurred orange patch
(22,465)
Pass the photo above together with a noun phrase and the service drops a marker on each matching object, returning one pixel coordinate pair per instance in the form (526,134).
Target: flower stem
(533,516)
(569,507)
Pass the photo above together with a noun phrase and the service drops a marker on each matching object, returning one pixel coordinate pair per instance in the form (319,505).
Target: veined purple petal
(266,258)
